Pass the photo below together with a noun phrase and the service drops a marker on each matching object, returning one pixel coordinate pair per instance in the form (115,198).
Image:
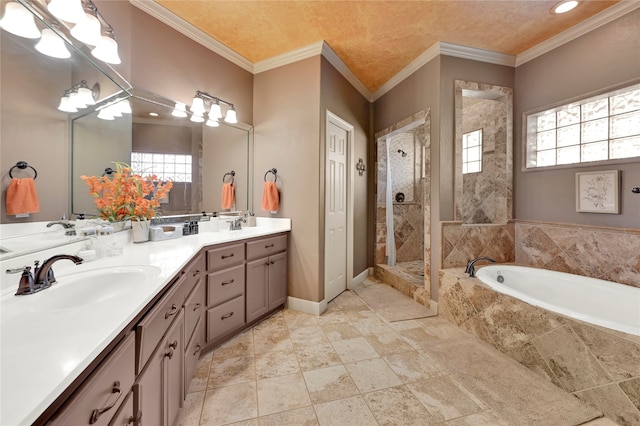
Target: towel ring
(108,171)
(23,165)
(231,173)
(275,174)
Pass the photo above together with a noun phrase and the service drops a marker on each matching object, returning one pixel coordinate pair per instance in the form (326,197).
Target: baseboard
(433,305)
(360,277)
(307,306)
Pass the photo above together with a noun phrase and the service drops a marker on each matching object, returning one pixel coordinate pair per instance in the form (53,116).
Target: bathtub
(604,303)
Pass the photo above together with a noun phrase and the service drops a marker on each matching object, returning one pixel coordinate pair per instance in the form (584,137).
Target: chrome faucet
(471,270)
(42,276)
(69,228)
(236,225)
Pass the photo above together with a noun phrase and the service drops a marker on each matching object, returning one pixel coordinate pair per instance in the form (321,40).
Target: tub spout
(471,269)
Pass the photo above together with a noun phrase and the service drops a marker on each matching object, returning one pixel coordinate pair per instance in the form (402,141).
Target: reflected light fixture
(180,110)
(196,118)
(105,114)
(203,99)
(564,6)
(107,49)
(67,10)
(88,30)
(19,21)
(79,96)
(66,105)
(51,44)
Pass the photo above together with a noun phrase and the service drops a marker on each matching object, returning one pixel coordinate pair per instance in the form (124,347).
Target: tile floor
(347,367)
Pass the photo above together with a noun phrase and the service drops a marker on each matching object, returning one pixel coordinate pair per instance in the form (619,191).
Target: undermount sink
(86,289)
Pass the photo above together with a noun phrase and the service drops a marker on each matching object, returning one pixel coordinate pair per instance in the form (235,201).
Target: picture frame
(598,192)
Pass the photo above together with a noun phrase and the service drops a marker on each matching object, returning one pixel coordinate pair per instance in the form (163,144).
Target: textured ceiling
(377,39)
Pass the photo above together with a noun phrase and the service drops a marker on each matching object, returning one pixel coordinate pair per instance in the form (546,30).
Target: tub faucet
(69,228)
(471,270)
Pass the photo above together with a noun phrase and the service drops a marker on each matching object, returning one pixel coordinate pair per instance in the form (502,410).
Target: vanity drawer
(193,308)
(150,330)
(225,285)
(266,247)
(97,401)
(193,273)
(225,256)
(225,318)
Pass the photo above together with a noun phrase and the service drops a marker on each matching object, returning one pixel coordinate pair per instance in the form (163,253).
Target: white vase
(140,231)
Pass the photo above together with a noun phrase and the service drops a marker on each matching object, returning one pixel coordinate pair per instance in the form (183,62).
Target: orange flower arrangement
(126,195)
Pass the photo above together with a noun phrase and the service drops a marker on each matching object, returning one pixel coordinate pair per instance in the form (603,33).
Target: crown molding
(343,69)
(309,51)
(475,54)
(602,18)
(195,34)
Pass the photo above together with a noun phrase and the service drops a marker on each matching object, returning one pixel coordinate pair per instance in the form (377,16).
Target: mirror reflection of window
(472,152)
(173,167)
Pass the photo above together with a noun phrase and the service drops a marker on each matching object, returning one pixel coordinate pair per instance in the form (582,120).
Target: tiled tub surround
(461,243)
(595,364)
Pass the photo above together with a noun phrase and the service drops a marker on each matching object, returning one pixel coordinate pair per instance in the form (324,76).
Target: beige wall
(287,134)
(604,57)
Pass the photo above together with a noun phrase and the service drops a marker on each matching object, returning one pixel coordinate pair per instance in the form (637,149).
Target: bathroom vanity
(127,357)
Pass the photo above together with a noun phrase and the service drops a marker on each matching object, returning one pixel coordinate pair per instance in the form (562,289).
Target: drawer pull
(272,262)
(95,414)
(231,281)
(174,344)
(226,256)
(196,306)
(198,347)
(225,316)
(268,246)
(266,263)
(169,353)
(197,272)
(173,311)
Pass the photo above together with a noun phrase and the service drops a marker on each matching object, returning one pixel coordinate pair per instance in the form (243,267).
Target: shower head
(404,154)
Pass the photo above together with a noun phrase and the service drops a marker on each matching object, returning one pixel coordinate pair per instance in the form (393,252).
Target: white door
(336,181)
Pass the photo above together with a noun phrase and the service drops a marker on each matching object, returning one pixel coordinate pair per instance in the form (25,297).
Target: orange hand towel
(228,196)
(22,196)
(270,197)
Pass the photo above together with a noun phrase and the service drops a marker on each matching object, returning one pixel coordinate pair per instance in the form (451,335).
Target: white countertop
(44,348)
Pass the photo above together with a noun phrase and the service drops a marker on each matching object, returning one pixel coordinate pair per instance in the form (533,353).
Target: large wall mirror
(197,158)
(483,153)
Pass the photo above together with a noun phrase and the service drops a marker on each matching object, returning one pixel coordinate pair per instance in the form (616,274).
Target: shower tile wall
(611,254)
(461,243)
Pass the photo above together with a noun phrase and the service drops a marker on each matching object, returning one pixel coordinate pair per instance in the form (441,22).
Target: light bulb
(215,112)
(105,114)
(52,45)
(231,116)
(88,30)
(197,106)
(212,123)
(85,97)
(180,110)
(196,118)
(67,10)
(66,105)
(107,50)
(19,21)
(565,6)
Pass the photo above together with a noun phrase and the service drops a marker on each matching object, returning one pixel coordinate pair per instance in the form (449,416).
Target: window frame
(166,154)
(576,99)
(480,145)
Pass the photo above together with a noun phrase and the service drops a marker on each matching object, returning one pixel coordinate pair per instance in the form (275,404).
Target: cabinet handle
(197,306)
(225,316)
(197,272)
(135,420)
(266,263)
(174,344)
(95,414)
(173,311)
(198,347)
(227,256)
(268,246)
(231,281)
(169,353)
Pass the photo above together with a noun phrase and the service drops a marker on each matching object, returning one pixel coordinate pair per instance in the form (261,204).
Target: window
(604,127)
(472,152)
(174,167)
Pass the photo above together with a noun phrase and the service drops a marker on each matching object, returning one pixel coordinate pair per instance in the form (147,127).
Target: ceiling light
(107,49)
(180,110)
(19,21)
(51,44)
(153,114)
(565,6)
(88,30)
(231,116)
(67,10)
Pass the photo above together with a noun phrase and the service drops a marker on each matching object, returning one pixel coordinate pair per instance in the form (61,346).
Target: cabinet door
(124,416)
(150,398)
(257,295)
(173,380)
(277,280)
(192,354)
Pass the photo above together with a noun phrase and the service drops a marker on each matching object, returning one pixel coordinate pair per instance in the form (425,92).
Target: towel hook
(23,165)
(231,173)
(275,174)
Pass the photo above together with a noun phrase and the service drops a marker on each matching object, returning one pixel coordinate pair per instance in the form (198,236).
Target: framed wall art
(598,192)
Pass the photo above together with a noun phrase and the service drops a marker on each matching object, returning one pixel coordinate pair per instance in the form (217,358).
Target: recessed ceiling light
(153,114)
(564,6)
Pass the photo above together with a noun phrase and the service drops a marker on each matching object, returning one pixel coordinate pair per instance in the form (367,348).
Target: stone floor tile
(444,396)
(340,331)
(486,418)
(355,349)
(190,415)
(347,411)
(312,357)
(273,341)
(240,345)
(231,371)
(414,366)
(417,337)
(276,364)
(388,343)
(308,335)
(328,384)
(405,325)
(372,374)
(296,319)
(370,326)
(218,401)
(300,417)
(282,393)
(201,375)
(398,406)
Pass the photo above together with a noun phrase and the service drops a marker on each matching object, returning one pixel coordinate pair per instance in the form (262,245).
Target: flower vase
(140,230)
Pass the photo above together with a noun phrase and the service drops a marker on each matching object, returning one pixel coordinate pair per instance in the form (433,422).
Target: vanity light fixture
(180,110)
(79,96)
(19,21)
(107,49)
(196,118)
(564,6)
(67,10)
(212,122)
(203,99)
(88,30)
(51,44)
